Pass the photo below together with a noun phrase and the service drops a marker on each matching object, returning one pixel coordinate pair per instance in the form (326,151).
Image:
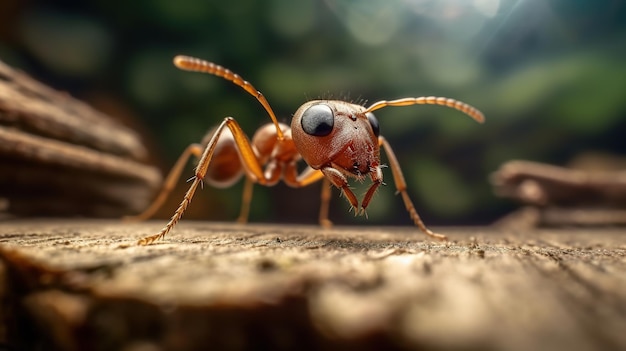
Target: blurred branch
(541,185)
(562,196)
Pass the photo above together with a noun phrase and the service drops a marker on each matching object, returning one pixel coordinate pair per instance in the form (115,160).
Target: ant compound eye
(318,120)
(373,123)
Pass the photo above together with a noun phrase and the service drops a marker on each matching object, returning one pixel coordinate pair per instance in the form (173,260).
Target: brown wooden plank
(74,285)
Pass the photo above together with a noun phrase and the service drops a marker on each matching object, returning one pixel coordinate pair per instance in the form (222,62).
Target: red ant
(337,140)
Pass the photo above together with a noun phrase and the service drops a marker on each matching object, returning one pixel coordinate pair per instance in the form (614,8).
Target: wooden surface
(61,157)
(75,285)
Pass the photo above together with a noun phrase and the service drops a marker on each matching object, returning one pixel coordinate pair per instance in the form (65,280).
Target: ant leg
(250,162)
(377,180)
(245,201)
(339,180)
(307,177)
(398,179)
(168,184)
(325,197)
(176,217)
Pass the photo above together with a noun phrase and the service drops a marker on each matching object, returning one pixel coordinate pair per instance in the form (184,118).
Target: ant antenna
(431,100)
(189,63)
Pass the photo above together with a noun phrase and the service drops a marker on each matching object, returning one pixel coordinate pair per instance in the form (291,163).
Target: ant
(337,140)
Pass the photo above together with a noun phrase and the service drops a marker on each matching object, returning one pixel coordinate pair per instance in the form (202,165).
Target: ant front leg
(398,179)
(250,162)
(339,180)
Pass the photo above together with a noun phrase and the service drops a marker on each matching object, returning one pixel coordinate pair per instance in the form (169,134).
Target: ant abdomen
(225,168)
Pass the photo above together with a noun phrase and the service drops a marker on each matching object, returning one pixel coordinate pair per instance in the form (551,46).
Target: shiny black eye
(318,120)
(373,123)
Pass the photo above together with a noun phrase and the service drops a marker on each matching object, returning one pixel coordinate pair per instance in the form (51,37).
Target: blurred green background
(550,76)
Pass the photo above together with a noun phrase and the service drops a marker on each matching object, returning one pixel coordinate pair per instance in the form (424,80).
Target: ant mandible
(337,139)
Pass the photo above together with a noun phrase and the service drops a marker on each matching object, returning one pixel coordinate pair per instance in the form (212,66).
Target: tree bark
(58,156)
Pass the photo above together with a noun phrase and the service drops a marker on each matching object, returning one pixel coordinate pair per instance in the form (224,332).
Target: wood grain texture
(29,105)
(542,184)
(555,196)
(85,285)
(61,157)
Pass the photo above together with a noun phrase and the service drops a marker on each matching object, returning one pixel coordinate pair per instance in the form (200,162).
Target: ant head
(338,132)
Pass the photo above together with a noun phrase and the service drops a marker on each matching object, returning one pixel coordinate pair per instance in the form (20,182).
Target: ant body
(337,140)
